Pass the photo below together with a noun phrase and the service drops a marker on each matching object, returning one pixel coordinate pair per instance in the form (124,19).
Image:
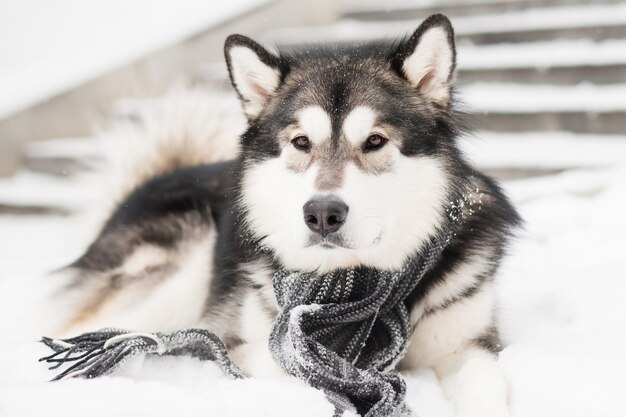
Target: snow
(40,189)
(562,305)
(84,39)
(65,148)
(519,98)
(357,6)
(547,150)
(161,387)
(562,298)
(542,55)
(546,18)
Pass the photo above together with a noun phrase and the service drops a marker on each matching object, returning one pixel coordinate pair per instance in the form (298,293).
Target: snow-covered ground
(561,289)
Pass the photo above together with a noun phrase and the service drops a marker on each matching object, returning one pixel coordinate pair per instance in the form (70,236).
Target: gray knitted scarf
(342,332)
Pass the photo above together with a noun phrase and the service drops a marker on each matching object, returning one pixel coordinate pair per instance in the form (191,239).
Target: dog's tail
(146,139)
(149,138)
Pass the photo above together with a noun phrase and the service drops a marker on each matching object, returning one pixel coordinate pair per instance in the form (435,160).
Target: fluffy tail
(148,138)
(157,136)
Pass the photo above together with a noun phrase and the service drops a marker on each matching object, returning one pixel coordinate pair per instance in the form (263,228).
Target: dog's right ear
(254,72)
(428,59)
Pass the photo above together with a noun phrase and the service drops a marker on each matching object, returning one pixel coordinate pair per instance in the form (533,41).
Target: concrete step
(519,87)
(549,62)
(374,10)
(583,108)
(552,62)
(512,156)
(507,156)
(593,74)
(543,150)
(519,98)
(52,172)
(215,76)
(504,107)
(33,210)
(28,192)
(584,21)
(554,121)
(62,157)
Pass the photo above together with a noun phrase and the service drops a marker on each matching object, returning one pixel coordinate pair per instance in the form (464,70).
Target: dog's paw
(478,389)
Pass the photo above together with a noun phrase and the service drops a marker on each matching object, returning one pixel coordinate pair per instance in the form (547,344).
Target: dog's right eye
(374,142)
(301,143)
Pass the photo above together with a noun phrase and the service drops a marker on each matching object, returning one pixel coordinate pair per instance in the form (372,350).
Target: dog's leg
(149,298)
(459,343)
(255,360)
(253,329)
(473,382)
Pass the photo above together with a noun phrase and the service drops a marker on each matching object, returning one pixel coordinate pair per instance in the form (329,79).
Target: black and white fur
(373,126)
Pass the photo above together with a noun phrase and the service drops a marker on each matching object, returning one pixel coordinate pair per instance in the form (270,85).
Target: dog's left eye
(301,143)
(374,142)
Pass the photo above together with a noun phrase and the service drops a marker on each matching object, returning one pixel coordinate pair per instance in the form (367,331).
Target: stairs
(523,65)
(536,76)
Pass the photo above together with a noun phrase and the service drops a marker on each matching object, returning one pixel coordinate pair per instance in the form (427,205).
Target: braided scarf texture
(343,332)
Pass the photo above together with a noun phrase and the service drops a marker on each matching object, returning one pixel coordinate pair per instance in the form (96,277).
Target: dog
(348,157)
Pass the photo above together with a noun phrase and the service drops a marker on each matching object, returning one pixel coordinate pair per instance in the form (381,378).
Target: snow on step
(536,55)
(531,20)
(544,150)
(374,6)
(561,53)
(78,148)
(31,189)
(544,19)
(517,98)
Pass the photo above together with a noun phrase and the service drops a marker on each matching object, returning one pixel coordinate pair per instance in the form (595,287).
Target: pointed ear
(428,59)
(254,72)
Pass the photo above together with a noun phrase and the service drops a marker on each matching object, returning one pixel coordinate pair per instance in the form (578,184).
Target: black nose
(325,215)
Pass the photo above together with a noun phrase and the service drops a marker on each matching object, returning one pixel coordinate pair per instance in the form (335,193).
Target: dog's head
(347,159)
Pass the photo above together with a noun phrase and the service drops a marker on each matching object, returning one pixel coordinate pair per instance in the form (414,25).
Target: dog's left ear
(254,72)
(428,59)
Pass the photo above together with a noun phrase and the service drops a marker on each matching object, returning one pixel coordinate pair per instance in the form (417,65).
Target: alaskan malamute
(348,157)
